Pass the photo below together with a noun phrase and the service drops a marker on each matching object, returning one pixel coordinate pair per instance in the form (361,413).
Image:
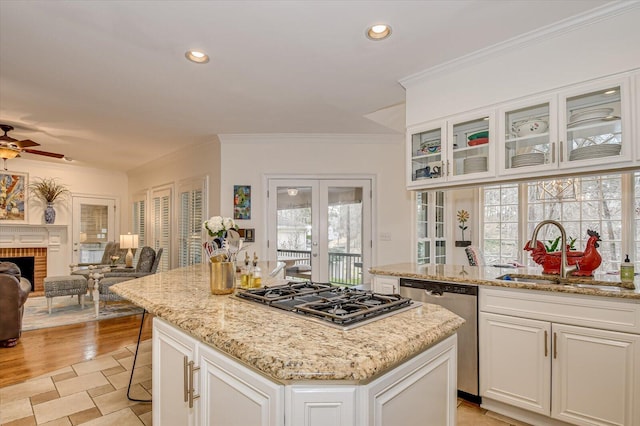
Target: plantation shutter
(191,216)
(161,214)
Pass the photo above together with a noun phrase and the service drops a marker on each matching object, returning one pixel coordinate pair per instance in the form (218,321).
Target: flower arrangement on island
(217,226)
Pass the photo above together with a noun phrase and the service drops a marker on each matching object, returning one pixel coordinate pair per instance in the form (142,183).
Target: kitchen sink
(528,279)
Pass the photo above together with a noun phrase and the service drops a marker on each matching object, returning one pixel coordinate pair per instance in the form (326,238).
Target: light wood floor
(41,351)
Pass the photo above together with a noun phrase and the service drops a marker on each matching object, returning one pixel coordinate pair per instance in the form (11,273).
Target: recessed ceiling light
(197,56)
(378,32)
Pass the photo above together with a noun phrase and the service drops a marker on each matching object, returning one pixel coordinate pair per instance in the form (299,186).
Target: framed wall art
(242,201)
(13,196)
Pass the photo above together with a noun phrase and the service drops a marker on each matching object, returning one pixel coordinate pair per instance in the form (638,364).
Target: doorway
(321,228)
(94,224)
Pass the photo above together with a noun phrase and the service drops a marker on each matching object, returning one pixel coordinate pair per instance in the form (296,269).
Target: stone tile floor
(94,393)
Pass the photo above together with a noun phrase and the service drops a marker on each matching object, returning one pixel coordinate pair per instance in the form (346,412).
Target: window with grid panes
(430,227)
(588,203)
(636,221)
(500,227)
(597,206)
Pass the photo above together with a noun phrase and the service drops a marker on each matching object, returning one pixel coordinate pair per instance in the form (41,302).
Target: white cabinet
(586,127)
(386,285)
(564,370)
(225,392)
(579,128)
(172,351)
(515,366)
(459,149)
(209,391)
(234,396)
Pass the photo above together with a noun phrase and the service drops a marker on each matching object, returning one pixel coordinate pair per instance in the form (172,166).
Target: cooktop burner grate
(341,306)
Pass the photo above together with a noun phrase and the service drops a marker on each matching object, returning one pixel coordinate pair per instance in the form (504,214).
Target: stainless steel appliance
(342,307)
(462,300)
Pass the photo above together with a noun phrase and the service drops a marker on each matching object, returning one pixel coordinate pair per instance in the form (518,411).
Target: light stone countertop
(284,346)
(486,276)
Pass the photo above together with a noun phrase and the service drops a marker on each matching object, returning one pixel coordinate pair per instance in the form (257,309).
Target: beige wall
(248,159)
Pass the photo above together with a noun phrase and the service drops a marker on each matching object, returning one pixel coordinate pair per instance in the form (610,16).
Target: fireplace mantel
(52,239)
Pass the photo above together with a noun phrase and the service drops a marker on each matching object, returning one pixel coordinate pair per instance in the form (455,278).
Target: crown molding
(553,30)
(311,138)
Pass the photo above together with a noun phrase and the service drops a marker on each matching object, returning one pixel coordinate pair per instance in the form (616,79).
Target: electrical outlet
(385,236)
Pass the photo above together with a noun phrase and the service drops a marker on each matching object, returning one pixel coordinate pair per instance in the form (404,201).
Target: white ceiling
(106,82)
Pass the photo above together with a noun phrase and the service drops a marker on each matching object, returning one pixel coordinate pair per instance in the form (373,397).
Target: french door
(94,224)
(321,228)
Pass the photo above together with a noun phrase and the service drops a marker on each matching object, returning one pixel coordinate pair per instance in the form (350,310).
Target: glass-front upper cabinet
(457,149)
(528,136)
(470,154)
(425,153)
(594,119)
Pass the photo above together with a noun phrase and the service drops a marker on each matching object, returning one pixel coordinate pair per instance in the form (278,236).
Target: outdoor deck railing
(344,268)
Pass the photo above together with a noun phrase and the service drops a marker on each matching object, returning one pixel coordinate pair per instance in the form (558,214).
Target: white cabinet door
(231,396)
(596,376)
(170,382)
(321,406)
(515,361)
(386,285)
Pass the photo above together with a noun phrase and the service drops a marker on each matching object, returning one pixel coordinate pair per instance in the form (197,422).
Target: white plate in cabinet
(593,117)
(579,128)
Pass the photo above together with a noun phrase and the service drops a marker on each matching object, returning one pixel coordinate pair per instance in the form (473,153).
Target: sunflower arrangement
(463,217)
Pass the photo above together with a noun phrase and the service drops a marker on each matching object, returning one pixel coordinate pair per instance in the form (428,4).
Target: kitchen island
(250,364)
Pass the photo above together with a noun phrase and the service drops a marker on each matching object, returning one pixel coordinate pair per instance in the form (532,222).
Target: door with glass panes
(321,229)
(430,227)
(94,224)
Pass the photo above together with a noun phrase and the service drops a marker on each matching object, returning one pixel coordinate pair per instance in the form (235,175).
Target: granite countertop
(600,285)
(284,346)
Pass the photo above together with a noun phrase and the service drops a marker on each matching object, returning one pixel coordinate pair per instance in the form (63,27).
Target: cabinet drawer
(604,313)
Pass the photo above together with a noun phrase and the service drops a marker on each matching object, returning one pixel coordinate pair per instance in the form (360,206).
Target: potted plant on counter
(48,191)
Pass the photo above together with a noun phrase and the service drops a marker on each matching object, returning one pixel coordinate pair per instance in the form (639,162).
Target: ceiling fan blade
(26,143)
(48,154)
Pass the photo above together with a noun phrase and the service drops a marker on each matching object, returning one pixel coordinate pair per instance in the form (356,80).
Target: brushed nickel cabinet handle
(185,370)
(561,152)
(546,349)
(192,395)
(555,345)
(553,152)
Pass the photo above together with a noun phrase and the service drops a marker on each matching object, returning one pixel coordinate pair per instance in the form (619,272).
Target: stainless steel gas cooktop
(341,307)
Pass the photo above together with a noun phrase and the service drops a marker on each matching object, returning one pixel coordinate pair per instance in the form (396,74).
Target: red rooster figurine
(587,261)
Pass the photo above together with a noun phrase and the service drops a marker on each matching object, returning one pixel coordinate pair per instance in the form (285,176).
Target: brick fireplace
(46,244)
(39,255)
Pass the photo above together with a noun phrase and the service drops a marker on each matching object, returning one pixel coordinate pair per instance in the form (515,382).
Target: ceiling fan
(11,148)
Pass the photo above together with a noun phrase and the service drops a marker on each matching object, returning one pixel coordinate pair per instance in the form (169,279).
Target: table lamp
(129,241)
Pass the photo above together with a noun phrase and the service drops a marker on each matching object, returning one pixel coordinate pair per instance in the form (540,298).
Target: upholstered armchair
(14,291)
(147,264)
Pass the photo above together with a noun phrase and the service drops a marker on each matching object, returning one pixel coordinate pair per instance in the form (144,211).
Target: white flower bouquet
(217,226)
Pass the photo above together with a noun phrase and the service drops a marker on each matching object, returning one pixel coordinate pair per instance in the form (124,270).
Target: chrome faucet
(564,267)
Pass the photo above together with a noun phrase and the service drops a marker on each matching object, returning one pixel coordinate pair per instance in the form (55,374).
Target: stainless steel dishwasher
(462,300)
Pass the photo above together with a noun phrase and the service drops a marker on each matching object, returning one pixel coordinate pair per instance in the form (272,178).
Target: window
(139,218)
(587,203)
(430,214)
(500,228)
(636,215)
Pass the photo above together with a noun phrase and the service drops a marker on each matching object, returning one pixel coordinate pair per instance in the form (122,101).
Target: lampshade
(129,241)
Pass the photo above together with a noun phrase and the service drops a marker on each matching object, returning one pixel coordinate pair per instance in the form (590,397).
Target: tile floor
(93,393)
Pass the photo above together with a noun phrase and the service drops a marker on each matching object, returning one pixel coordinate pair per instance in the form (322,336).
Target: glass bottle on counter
(256,273)
(244,273)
